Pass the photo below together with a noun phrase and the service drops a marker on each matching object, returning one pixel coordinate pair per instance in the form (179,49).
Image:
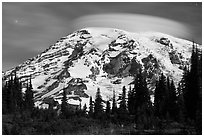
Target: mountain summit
(102,57)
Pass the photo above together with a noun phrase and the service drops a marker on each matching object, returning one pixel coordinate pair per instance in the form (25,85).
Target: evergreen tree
(122,102)
(141,97)
(91,107)
(130,101)
(173,106)
(4,98)
(98,106)
(10,97)
(26,97)
(190,91)
(29,99)
(122,99)
(84,109)
(15,91)
(64,104)
(141,91)
(167,98)
(160,100)
(181,106)
(108,108)
(18,93)
(20,96)
(192,87)
(198,120)
(80,105)
(114,104)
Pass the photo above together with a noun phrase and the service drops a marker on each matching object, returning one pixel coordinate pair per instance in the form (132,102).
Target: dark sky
(29,28)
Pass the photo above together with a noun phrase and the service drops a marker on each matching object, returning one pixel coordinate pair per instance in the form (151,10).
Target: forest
(175,110)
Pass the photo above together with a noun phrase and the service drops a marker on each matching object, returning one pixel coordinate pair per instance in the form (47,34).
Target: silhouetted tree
(180,104)
(98,106)
(64,104)
(84,109)
(29,99)
(140,90)
(122,110)
(4,98)
(142,98)
(192,89)
(114,104)
(173,102)
(131,101)
(10,96)
(108,110)
(122,100)
(160,97)
(18,93)
(91,107)
(80,105)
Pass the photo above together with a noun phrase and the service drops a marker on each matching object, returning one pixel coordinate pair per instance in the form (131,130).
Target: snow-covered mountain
(102,57)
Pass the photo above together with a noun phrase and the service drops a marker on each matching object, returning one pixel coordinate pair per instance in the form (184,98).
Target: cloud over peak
(133,23)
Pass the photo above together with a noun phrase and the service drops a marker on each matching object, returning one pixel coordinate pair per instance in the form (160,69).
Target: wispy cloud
(134,23)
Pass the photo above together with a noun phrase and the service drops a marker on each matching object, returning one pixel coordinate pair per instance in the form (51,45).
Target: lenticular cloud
(133,23)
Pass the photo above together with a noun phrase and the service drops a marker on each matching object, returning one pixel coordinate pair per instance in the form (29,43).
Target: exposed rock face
(164,41)
(104,58)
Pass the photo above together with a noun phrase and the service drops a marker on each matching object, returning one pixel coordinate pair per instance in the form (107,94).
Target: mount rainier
(102,57)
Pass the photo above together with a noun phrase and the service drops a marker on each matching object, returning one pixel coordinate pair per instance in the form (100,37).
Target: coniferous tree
(64,104)
(18,93)
(180,104)
(168,84)
(122,102)
(198,120)
(141,91)
(108,108)
(10,96)
(192,88)
(190,91)
(29,99)
(173,105)
(98,106)
(183,89)
(80,105)
(15,91)
(131,101)
(84,109)
(4,98)
(26,97)
(160,98)
(167,96)
(142,99)
(20,96)
(114,104)
(91,107)
(122,110)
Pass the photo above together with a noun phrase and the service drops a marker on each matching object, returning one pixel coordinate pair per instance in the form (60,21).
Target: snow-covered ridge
(104,58)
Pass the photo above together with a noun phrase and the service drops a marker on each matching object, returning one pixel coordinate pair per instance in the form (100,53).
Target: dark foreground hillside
(20,125)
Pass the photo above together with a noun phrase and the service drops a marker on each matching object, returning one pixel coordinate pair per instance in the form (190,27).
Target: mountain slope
(105,58)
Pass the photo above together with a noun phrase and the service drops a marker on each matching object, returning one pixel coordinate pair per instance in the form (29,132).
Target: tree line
(13,99)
